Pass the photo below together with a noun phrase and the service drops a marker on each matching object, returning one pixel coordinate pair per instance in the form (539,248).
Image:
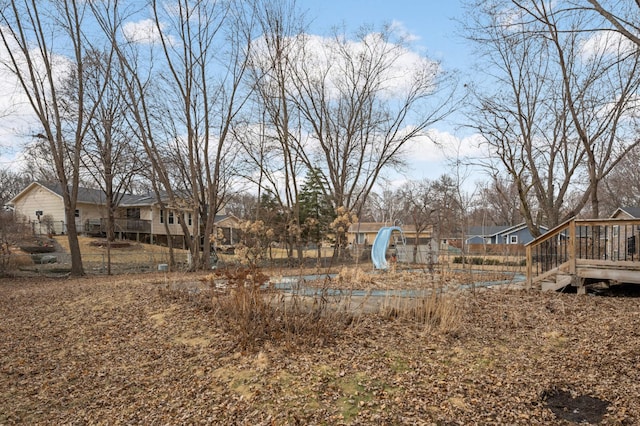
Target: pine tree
(316,211)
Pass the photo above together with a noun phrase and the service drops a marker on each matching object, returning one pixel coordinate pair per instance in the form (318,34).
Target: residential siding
(90,211)
(159,228)
(39,198)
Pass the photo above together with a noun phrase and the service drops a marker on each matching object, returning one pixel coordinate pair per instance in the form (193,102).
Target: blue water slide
(380,245)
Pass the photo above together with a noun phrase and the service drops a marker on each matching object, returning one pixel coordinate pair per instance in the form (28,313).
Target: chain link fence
(94,264)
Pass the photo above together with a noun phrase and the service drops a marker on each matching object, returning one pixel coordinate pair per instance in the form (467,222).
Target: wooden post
(571,247)
(529,267)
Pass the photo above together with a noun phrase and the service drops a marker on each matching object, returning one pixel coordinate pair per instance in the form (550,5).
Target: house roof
(634,212)
(492,231)
(97,196)
(486,231)
(92,196)
(374,227)
(222,219)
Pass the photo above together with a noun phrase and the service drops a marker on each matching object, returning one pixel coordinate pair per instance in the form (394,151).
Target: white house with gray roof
(139,217)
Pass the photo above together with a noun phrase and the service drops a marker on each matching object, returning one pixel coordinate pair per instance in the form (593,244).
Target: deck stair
(558,282)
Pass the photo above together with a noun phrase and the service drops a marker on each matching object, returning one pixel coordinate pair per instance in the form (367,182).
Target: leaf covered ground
(118,350)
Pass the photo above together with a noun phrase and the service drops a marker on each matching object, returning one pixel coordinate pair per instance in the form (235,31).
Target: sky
(430,24)
(434,27)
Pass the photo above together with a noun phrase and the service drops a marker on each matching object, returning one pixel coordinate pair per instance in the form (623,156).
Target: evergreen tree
(316,211)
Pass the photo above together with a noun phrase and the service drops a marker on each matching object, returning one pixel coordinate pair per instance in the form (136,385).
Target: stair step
(560,281)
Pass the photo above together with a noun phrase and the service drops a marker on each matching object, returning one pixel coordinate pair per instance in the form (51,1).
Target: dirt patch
(113,245)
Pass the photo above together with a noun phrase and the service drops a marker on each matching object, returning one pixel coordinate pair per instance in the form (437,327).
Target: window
(161,216)
(513,239)
(133,213)
(170,218)
(189,219)
(360,239)
(77,213)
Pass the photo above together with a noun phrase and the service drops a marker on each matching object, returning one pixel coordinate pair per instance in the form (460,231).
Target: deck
(122,225)
(582,251)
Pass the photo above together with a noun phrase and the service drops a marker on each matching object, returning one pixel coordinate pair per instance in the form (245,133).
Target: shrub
(436,310)
(12,230)
(476,260)
(256,313)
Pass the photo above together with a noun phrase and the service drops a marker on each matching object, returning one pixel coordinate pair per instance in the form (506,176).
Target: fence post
(529,267)
(572,247)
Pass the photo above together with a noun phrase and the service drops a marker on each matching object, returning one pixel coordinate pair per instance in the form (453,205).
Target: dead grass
(134,249)
(151,349)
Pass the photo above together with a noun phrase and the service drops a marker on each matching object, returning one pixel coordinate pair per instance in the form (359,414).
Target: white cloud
(437,145)
(605,42)
(143,32)
(327,60)
(401,30)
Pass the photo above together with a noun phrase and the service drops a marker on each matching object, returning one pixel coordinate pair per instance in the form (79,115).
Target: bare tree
(622,186)
(206,48)
(44,41)
(600,84)
(623,16)
(272,147)
(420,208)
(11,183)
(143,94)
(110,155)
(357,114)
(497,203)
(203,50)
(385,207)
(558,118)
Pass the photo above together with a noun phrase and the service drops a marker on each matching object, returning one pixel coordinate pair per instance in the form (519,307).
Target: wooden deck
(582,251)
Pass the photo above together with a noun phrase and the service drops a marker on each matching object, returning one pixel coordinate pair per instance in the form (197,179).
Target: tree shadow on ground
(579,409)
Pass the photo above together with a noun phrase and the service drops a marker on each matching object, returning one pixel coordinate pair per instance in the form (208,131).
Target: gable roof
(91,196)
(634,212)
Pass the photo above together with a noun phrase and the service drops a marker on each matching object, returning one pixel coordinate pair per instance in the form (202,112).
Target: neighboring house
(624,240)
(512,234)
(479,238)
(138,217)
(626,213)
(360,237)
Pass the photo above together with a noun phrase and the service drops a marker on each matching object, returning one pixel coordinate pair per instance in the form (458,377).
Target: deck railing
(120,225)
(600,242)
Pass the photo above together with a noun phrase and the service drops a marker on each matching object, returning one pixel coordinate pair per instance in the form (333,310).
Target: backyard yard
(181,348)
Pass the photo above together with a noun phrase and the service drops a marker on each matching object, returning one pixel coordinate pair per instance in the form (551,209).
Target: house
(622,244)
(626,213)
(138,217)
(409,245)
(480,238)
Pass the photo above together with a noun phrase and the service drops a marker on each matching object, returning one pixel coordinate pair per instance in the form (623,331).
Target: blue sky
(431,20)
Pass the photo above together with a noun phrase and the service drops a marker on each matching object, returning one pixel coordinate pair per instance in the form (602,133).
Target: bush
(257,314)
(436,310)
(12,230)
(486,261)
